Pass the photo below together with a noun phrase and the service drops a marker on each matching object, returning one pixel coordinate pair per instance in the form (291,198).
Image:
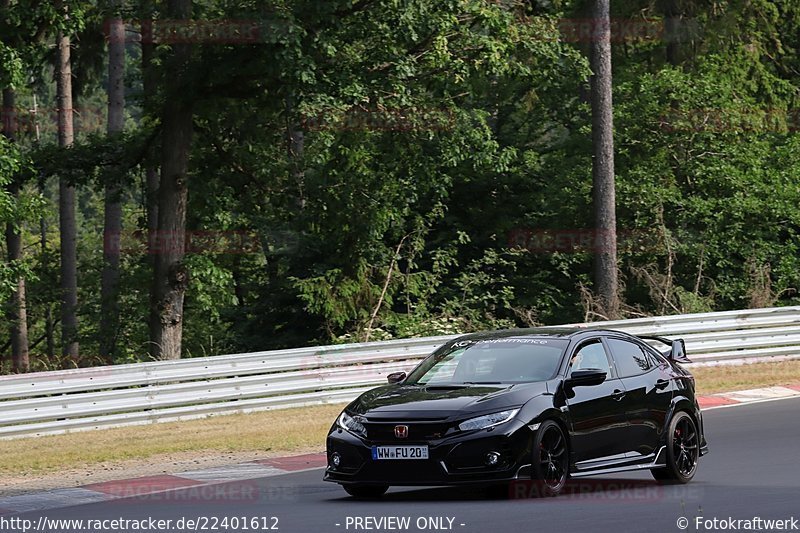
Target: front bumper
(452,461)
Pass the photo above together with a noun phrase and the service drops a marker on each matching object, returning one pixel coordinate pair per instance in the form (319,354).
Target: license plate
(399,452)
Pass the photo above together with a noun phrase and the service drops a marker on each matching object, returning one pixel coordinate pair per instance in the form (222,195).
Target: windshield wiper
(483,382)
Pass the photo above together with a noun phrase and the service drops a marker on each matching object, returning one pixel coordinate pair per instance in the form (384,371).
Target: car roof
(566,332)
(523,332)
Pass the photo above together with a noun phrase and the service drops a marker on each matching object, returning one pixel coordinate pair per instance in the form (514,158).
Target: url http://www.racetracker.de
(755,523)
(44,524)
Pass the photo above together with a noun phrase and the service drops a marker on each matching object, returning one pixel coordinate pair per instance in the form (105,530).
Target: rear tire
(366,492)
(683,451)
(550,461)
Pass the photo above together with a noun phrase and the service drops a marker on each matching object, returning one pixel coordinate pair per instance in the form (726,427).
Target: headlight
(487,421)
(351,424)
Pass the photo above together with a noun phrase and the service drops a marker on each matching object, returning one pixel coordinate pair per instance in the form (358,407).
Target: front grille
(417,431)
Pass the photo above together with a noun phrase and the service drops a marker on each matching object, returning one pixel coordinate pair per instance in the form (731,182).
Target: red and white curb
(730,399)
(202,482)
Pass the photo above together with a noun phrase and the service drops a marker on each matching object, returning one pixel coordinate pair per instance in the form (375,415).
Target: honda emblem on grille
(401,432)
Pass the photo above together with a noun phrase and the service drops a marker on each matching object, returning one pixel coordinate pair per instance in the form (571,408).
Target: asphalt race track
(751,471)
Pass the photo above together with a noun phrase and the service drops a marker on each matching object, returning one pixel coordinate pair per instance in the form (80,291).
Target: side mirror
(396,377)
(678,352)
(586,377)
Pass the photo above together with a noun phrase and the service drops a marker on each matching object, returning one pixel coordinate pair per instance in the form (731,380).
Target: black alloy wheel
(550,459)
(683,451)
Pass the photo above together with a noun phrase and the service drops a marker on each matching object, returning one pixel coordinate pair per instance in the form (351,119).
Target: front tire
(550,462)
(366,492)
(683,451)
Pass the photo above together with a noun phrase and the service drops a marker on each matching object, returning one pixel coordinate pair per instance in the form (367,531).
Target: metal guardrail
(101,397)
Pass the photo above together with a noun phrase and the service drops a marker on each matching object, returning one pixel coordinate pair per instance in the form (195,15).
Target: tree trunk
(112,224)
(152,178)
(153,181)
(66,207)
(606,282)
(17,312)
(49,326)
(672,23)
(48,308)
(295,147)
(171,276)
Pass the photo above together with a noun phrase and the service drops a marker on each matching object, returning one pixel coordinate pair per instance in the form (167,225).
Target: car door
(648,393)
(599,423)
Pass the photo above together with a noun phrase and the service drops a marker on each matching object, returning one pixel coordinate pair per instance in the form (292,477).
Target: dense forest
(187,178)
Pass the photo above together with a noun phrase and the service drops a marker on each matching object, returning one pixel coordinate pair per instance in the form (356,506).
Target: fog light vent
(336,459)
(492,458)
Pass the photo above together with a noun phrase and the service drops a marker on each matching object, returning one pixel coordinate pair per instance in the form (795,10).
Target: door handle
(617,395)
(662,383)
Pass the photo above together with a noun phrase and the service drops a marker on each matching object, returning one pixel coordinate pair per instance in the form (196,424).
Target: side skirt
(657,461)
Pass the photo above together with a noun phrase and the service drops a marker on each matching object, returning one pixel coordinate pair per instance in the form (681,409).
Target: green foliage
(10,165)
(14,211)
(718,172)
(11,67)
(382,159)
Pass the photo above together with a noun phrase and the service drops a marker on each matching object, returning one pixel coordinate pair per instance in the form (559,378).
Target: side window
(590,355)
(629,358)
(656,357)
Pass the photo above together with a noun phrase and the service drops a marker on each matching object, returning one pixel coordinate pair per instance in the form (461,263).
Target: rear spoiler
(677,350)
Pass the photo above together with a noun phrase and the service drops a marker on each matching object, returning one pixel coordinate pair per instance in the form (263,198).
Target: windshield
(489,361)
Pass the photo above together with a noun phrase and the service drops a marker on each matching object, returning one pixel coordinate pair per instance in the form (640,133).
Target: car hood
(429,402)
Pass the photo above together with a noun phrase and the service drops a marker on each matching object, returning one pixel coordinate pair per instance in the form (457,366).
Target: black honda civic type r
(541,404)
